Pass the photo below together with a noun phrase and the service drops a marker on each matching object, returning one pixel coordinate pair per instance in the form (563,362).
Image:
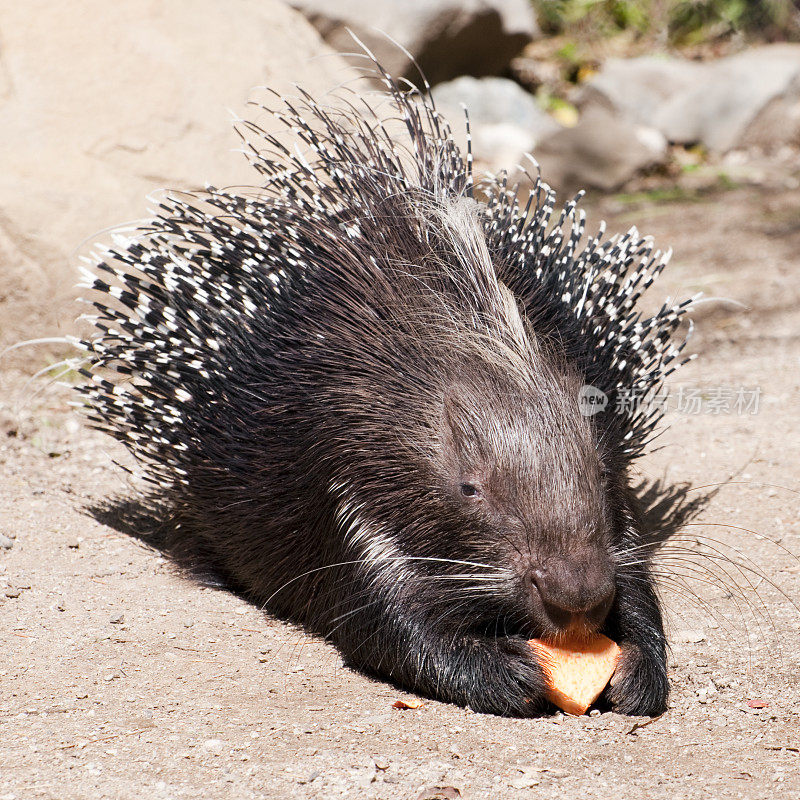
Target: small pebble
(7,540)
(524,782)
(558,773)
(691,637)
(118,620)
(311,777)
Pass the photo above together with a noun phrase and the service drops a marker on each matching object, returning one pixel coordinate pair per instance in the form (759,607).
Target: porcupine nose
(575,592)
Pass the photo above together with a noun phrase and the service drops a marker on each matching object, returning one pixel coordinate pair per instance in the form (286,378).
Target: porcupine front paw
(500,676)
(639,686)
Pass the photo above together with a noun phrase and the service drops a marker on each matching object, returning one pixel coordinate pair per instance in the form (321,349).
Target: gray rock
(505,120)
(447,38)
(750,99)
(638,88)
(603,151)
(723,109)
(493,101)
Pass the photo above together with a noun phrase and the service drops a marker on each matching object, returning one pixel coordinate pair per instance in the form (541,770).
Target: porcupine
(356,391)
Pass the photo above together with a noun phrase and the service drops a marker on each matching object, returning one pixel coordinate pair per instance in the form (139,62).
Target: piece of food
(404,704)
(577,669)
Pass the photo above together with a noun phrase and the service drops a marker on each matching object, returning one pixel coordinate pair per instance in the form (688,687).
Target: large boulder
(602,152)
(639,88)
(505,121)
(447,38)
(102,103)
(749,99)
(725,110)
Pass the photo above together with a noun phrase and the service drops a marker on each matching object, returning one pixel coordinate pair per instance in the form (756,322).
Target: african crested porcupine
(356,389)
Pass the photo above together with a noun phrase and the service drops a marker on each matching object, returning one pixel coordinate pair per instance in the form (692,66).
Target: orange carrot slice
(577,669)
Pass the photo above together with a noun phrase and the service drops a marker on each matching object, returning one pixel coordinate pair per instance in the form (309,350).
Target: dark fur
(383,345)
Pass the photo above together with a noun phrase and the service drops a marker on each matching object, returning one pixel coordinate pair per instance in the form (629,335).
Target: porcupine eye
(469,490)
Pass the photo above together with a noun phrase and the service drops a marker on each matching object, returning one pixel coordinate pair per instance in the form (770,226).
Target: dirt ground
(121,679)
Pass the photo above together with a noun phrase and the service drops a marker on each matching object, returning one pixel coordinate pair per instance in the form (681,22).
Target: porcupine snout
(575,592)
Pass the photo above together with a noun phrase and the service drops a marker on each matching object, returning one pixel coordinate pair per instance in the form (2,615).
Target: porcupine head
(356,388)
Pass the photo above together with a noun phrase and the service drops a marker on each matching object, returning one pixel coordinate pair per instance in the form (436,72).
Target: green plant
(695,20)
(602,17)
(686,21)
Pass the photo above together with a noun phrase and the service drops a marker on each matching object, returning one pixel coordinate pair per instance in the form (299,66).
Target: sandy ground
(122,679)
